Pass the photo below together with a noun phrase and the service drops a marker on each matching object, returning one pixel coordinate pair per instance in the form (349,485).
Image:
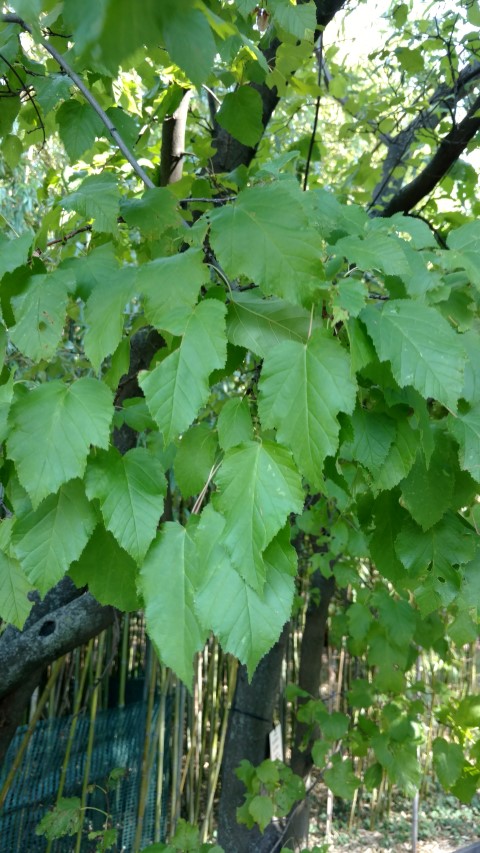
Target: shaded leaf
(108,571)
(153,213)
(234,423)
(259,324)
(48,539)
(241,115)
(130,489)
(194,459)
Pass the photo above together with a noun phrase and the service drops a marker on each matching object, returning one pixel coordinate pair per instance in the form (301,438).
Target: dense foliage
(307,352)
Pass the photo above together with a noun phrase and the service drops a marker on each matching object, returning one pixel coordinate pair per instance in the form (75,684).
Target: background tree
(297,356)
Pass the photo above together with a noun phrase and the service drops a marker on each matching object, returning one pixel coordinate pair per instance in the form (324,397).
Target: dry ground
(375,842)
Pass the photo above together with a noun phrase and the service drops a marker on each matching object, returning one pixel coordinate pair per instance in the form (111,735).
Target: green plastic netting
(118,742)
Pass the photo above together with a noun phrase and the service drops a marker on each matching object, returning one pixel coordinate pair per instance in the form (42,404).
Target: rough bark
(310,672)
(309,679)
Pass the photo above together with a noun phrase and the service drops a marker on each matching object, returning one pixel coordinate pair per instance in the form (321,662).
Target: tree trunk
(251,720)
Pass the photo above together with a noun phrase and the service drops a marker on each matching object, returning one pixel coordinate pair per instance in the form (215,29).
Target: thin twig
(208,200)
(319,55)
(69,235)
(198,503)
(29,95)
(14,19)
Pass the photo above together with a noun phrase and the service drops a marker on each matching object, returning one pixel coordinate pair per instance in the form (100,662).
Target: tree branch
(14,19)
(398,147)
(57,632)
(449,150)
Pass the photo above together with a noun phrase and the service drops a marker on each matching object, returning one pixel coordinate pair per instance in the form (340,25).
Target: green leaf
(258,487)
(320,750)
(373,437)
(299,20)
(234,423)
(177,388)
(389,517)
(259,324)
(410,59)
(153,213)
(40,315)
(104,314)
(48,539)
(248,623)
(396,616)
(78,125)
(14,253)
(114,30)
(341,779)
(52,428)
(375,251)
(471,389)
(99,266)
(262,811)
(448,761)
(399,458)
(467,714)
(168,579)
(51,90)
(241,115)
(350,295)
(302,390)
(254,236)
(400,762)
(108,571)
(66,818)
(96,198)
(335,725)
(188,38)
(130,489)
(170,288)
(467,785)
(373,776)
(195,458)
(427,490)
(421,346)
(466,429)
(14,589)
(449,543)
(463,629)
(422,237)
(359,620)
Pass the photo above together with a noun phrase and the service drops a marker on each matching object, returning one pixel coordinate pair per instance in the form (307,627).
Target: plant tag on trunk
(276,743)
